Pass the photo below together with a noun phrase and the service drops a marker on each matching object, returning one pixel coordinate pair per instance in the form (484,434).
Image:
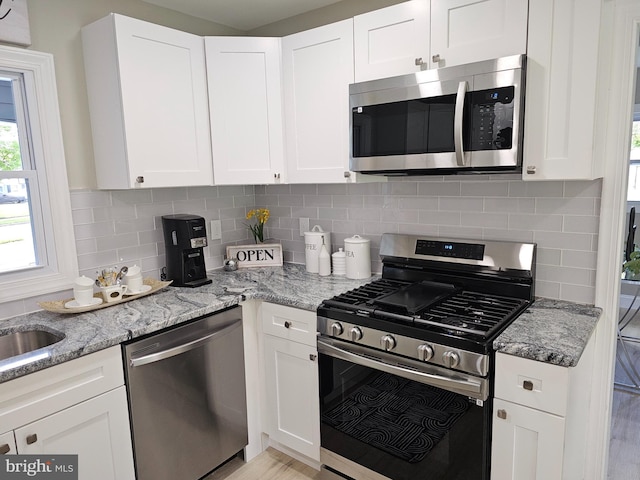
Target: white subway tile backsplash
(573,206)
(484,189)
(400,188)
(116,241)
(551,223)
(563,241)
(579,259)
(441,189)
(561,217)
(510,205)
(485,220)
(581,224)
(549,256)
(536,189)
(461,204)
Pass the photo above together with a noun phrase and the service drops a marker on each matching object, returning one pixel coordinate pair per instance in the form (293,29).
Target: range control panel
(470,251)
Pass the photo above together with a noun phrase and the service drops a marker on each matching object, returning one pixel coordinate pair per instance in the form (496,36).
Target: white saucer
(144,289)
(73,304)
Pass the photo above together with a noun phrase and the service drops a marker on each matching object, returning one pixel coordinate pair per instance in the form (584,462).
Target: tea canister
(313,241)
(358,257)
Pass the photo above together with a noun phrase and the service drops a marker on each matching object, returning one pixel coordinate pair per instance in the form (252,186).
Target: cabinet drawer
(42,393)
(533,384)
(290,323)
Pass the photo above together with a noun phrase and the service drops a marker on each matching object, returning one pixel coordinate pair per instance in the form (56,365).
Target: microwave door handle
(457,123)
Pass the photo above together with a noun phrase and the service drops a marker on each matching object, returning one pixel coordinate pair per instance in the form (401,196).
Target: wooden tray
(58,306)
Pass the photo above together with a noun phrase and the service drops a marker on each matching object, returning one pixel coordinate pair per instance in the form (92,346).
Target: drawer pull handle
(287,324)
(4,449)
(33,438)
(502,414)
(527,385)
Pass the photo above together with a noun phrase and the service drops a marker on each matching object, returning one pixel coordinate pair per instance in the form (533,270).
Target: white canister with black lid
(313,241)
(358,257)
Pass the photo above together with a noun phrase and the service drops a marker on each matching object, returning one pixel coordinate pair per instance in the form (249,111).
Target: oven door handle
(429,375)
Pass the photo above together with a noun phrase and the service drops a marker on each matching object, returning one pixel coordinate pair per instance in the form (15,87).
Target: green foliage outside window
(10,159)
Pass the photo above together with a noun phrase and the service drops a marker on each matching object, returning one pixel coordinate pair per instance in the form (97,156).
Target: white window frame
(59,267)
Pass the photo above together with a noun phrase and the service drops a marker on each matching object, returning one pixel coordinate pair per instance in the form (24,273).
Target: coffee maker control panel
(199,242)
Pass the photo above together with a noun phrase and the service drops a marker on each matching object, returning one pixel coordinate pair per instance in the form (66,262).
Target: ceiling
(244,15)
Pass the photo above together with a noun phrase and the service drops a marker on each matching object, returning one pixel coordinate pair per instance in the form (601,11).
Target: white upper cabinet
(317,69)
(391,41)
(147,92)
(465,31)
(245,105)
(563,88)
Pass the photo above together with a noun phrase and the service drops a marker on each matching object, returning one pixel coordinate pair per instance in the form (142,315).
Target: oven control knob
(388,343)
(336,329)
(425,352)
(355,334)
(451,359)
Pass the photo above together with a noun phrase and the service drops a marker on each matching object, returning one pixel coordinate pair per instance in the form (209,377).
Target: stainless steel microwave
(462,119)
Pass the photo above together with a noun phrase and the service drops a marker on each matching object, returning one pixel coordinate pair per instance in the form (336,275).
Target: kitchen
(561,216)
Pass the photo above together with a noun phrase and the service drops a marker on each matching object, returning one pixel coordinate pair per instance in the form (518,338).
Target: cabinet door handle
(140,179)
(502,414)
(33,438)
(287,324)
(436,58)
(419,62)
(527,385)
(4,449)
(531,169)
(347,174)
(312,357)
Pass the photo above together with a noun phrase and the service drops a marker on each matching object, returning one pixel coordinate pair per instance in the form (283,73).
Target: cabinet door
(245,107)
(97,430)
(317,70)
(527,444)
(293,409)
(147,91)
(7,444)
(562,71)
(391,41)
(464,31)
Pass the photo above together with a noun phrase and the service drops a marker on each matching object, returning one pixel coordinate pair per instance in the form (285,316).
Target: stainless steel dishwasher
(187,397)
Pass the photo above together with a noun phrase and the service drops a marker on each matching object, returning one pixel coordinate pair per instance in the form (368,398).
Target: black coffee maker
(185,237)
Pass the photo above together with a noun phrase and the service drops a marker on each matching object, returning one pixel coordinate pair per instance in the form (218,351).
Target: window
(37,248)
(633,191)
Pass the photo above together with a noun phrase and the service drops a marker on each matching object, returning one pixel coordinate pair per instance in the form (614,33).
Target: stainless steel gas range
(406,362)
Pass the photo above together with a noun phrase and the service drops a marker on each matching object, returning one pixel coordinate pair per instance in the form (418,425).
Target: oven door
(384,416)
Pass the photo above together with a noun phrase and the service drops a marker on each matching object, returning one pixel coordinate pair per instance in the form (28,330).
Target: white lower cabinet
(292,410)
(527,443)
(78,407)
(539,412)
(96,430)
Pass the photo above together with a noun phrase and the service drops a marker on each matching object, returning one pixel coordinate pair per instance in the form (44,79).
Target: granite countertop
(550,331)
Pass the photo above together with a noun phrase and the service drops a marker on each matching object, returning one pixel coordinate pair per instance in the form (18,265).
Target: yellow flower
(261,215)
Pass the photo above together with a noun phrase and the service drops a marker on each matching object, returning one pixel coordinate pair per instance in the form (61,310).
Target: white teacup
(83,290)
(113,292)
(134,283)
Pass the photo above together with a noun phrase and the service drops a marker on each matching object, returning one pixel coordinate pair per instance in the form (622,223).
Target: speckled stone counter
(550,331)
(92,331)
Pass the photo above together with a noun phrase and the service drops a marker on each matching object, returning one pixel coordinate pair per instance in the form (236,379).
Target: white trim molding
(624,35)
(62,263)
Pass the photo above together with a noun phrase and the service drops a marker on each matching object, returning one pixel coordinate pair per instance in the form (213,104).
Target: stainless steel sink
(18,343)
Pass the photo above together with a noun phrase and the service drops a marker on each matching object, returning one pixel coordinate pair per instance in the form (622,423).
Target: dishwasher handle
(185,347)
